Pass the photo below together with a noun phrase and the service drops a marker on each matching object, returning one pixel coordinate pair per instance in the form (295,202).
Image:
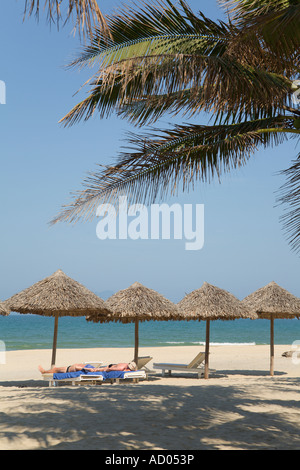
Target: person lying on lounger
(84,367)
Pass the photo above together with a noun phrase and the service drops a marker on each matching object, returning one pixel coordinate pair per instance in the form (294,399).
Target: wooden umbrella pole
(272,345)
(54,340)
(136,341)
(206,349)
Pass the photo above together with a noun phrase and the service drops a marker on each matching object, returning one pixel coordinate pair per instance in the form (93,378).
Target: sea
(27,331)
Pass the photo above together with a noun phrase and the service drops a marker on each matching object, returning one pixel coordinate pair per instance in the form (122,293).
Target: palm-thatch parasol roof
(212,303)
(4,310)
(138,303)
(57,295)
(273,301)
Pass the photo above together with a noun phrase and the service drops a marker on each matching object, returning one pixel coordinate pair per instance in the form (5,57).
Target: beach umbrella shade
(212,303)
(138,303)
(273,301)
(57,295)
(4,310)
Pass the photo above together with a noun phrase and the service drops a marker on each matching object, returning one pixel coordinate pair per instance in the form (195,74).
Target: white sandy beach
(239,407)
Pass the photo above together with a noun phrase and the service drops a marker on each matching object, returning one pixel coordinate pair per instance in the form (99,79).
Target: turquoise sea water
(36,332)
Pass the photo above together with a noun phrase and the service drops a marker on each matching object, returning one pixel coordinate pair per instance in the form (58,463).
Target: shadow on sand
(198,415)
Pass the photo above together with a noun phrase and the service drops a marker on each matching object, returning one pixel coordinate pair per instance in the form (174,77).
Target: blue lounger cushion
(114,374)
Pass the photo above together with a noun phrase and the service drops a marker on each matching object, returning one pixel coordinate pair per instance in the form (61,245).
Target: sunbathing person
(63,369)
(85,367)
(120,366)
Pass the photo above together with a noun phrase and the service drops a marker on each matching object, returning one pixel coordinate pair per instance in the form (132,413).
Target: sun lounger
(134,375)
(142,361)
(54,379)
(196,365)
(99,377)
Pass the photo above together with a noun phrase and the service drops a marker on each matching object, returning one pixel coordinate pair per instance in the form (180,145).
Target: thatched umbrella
(138,303)
(4,310)
(57,295)
(272,301)
(212,303)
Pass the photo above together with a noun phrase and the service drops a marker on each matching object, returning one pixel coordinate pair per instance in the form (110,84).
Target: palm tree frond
(152,29)
(276,22)
(87,13)
(105,100)
(215,84)
(157,164)
(150,109)
(242,10)
(289,197)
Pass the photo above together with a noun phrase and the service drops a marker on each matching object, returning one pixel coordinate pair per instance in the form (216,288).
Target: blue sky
(42,162)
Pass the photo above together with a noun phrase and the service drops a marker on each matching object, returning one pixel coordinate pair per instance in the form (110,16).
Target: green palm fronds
(162,51)
(152,29)
(161,59)
(208,84)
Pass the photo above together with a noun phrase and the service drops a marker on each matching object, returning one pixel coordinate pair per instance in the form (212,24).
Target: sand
(240,407)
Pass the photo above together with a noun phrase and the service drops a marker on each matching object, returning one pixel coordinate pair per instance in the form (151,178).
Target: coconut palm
(164,60)
(86,12)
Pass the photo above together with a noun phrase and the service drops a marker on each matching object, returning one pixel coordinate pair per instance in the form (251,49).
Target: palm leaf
(276,22)
(245,10)
(214,84)
(152,29)
(87,13)
(157,50)
(157,165)
(148,110)
(290,199)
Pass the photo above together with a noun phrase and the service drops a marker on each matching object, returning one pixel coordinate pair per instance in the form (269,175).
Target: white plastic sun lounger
(196,365)
(142,361)
(74,380)
(135,376)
